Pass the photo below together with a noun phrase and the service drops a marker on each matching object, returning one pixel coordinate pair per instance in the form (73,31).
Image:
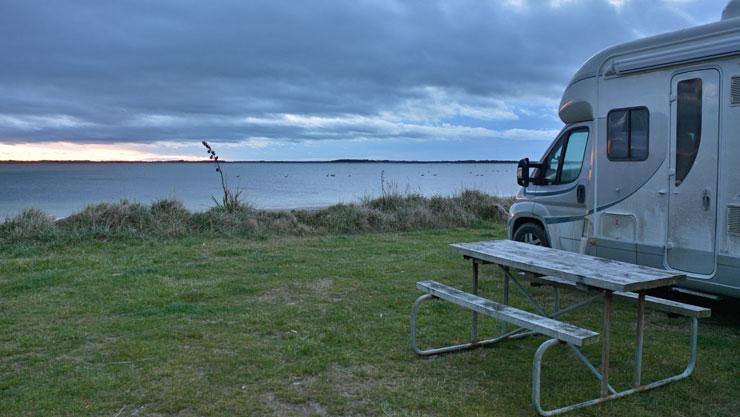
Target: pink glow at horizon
(67,151)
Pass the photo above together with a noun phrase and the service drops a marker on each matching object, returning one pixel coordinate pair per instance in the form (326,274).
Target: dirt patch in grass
(290,293)
(319,284)
(282,408)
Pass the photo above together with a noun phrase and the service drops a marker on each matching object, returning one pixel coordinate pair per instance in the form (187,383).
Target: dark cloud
(106,71)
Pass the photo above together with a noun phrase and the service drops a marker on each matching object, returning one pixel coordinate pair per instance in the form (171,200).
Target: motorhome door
(692,205)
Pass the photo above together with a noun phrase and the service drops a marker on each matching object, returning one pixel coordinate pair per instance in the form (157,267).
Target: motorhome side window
(563,163)
(688,126)
(627,134)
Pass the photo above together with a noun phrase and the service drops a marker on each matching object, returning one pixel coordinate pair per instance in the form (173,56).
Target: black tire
(531,233)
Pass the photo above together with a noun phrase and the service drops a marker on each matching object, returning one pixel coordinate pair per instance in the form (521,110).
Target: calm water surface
(61,189)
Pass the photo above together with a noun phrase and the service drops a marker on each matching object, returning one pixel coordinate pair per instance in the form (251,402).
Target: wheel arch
(519,221)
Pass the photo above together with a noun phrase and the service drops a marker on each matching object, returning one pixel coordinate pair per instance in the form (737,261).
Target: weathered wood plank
(549,327)
(581,269)
(669,306)
(656,303)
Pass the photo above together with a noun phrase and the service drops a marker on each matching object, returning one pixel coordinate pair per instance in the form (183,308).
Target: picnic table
(600,278)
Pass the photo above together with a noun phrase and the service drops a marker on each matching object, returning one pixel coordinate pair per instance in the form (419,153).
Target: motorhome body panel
(693,178)
(728,244)
(577,103)
(727,277)
(635,188)
(645,213)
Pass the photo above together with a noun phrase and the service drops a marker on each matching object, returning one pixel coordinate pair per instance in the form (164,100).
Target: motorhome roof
(697,43)
(731,10)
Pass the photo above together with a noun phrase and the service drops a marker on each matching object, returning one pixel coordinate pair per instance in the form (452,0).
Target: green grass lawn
(304,326)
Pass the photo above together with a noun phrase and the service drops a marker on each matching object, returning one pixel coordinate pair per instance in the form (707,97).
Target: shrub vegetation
(393,211)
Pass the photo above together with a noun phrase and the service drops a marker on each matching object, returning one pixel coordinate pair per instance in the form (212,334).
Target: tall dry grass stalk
(231,199)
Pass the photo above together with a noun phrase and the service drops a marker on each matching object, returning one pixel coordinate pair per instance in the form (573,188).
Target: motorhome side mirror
(522,172)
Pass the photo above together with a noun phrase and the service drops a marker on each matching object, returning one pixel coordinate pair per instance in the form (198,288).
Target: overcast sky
(303,79)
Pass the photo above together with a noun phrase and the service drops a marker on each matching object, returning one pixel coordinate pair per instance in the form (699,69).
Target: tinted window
(552,162)
(688,126)
(617,139)
(573,158)
(639,134)
(627,134)
(563,163)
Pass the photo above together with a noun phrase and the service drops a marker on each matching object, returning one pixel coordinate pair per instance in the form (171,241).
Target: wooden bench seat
(668,306)
(553,328)
(660,304)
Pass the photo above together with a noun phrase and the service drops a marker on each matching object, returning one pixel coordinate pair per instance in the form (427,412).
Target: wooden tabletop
(588,270)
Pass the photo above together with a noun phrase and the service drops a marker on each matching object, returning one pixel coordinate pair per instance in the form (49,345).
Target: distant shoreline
(334,161)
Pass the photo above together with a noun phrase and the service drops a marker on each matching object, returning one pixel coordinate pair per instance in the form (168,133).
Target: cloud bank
(84,71)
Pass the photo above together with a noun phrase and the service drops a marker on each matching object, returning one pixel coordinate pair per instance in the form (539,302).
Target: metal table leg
(608,296)
(536,376)
(474,321)
(640,330)
(504,325)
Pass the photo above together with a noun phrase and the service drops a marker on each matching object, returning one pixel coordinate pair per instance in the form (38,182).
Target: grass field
(295,326)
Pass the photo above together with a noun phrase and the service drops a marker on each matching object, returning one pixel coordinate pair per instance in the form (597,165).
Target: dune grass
(393,211)
(299,326)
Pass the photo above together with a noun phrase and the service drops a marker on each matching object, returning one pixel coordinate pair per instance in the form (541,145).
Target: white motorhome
(647,168)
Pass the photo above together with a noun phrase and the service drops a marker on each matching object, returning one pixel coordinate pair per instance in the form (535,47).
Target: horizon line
(185,161)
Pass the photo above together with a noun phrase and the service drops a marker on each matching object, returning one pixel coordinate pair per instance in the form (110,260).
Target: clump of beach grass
(169,218)
(163,218)
(391,212)
(30,223)
(123,217)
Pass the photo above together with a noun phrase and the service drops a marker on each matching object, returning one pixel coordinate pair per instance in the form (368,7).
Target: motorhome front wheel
(531,233)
